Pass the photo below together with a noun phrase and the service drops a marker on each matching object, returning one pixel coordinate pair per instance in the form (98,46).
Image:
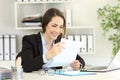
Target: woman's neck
(47,40)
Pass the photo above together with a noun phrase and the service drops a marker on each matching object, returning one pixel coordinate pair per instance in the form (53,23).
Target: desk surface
(113,75)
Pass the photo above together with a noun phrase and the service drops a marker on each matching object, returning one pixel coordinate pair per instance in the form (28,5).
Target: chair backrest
(18,62)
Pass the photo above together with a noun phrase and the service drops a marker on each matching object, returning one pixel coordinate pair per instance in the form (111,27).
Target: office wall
(84,13)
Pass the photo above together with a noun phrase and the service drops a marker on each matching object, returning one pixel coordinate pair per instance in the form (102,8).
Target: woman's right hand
(56,49)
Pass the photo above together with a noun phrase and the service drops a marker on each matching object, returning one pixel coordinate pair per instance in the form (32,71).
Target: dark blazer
(32,52)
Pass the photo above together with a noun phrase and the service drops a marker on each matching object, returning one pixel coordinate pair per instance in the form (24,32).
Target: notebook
(72,73)
(114,65)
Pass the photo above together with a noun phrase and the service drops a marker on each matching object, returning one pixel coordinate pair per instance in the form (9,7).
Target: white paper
(77,38)
(67,56)
(70,37)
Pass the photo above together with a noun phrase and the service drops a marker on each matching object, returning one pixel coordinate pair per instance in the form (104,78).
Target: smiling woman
(39,49)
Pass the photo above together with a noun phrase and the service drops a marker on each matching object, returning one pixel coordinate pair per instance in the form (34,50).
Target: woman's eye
(61,27)
(53,25)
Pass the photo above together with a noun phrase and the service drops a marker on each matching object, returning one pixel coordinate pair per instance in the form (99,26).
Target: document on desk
(67,55)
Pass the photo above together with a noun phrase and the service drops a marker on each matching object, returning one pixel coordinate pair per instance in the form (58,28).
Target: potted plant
(109,17)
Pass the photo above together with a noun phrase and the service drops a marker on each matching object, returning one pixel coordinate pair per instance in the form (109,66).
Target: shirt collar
(43,40)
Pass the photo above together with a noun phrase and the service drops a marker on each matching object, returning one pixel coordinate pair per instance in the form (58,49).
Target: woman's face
(54,28)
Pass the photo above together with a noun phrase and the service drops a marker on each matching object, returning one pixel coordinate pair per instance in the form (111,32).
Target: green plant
(109,17)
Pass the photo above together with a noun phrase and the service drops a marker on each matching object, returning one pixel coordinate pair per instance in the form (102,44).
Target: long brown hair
(50,13)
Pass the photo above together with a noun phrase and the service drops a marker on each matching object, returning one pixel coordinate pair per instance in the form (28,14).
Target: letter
(70,37)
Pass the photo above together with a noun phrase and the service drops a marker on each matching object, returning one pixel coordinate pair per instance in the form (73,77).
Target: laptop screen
(115,64)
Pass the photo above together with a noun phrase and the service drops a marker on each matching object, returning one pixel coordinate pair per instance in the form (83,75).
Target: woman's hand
(56,49)
(75,65)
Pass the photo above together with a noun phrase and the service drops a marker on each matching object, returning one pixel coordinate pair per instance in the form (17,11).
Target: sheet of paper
(67,56)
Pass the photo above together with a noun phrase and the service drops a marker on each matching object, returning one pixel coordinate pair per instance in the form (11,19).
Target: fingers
(56,49)
(76,62)
(75,65)
(60,44)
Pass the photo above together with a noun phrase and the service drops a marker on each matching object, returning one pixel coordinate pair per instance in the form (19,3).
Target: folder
(68,17)
(6,47)
(39,0)
(19,0)
(84,43)
(12,47)
(70,37)
(90,43)
(1,47)
(25,0)
(72,73)
(32,0)
(77,38)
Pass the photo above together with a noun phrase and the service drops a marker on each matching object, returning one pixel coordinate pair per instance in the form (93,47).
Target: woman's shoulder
(32,37)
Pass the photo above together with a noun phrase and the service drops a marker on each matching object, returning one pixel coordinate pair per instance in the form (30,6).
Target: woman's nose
(58,30)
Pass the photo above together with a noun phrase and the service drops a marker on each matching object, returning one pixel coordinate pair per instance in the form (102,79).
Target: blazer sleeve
(81,60)
(31,60)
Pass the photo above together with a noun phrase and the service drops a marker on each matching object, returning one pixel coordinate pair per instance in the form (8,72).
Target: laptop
(114,65)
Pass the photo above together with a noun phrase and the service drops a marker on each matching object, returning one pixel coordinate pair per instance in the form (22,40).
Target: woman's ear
(63,33)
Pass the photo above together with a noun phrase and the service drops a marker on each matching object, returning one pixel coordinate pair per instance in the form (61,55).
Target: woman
(38,49)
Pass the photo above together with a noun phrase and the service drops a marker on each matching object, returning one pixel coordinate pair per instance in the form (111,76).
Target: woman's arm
(81,60)
(31,57)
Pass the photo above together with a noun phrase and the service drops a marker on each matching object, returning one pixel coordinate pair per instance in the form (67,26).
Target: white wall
(84,13)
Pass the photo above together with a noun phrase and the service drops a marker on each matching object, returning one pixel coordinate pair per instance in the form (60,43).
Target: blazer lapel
(39,43)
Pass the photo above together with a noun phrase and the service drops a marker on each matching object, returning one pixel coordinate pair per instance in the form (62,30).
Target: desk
(113,75)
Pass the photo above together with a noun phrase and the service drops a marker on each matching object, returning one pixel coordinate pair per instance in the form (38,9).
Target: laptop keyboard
(98,68)
(95,68)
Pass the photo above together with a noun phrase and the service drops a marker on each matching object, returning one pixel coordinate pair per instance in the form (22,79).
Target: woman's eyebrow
(55,24)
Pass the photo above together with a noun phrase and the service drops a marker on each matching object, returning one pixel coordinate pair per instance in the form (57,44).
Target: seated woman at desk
(40,48)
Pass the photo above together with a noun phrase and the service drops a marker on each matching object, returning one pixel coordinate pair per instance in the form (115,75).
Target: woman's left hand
(75,65)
